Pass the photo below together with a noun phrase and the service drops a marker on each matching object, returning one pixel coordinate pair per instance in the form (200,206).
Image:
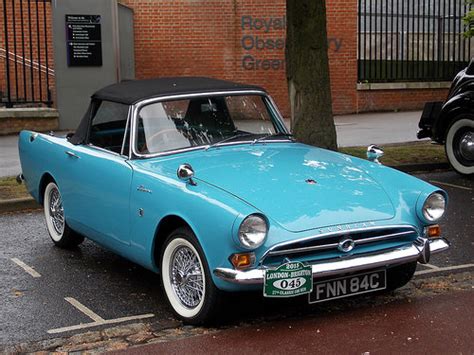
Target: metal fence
(412,40)
(25,75)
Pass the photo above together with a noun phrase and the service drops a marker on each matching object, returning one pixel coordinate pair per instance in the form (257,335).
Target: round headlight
(253,231)
(434,207)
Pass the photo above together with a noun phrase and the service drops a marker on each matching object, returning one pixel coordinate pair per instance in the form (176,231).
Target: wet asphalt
(113,287)
(428,325)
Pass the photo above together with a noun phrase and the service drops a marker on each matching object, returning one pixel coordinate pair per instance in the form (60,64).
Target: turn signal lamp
(433,231)
(242,260)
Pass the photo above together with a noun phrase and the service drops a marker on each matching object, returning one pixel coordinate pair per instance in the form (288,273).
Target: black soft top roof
(130,92)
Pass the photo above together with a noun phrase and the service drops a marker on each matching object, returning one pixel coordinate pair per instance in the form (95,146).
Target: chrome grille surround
(330,241)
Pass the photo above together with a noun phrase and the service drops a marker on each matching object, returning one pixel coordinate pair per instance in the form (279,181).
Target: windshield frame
(275,115)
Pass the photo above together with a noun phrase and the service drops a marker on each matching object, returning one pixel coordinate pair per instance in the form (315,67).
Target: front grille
(323,247)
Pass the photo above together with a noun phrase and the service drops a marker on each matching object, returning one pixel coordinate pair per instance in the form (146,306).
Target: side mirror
(374,153)
(186,173)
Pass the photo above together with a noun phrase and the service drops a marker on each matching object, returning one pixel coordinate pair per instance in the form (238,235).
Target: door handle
(72,154)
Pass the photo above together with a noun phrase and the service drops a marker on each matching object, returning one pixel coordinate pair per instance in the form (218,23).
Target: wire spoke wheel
(58,229)
(186,277)
(56,211)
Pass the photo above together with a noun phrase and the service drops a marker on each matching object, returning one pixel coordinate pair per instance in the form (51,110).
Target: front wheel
(60,233)
(186,279)
(459,145)
(399,276)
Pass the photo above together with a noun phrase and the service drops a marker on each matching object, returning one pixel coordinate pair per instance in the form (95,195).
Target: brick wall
(37,119)
(241,40)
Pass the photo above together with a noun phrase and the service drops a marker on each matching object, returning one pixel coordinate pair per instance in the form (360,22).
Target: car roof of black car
(132,91)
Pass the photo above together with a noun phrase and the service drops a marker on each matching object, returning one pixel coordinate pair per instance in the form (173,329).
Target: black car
(452,122)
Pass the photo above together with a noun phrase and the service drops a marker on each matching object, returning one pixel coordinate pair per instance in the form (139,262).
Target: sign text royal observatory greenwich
(262,45)
(264,52)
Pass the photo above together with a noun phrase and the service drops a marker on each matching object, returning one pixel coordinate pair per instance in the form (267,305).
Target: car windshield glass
(203,121)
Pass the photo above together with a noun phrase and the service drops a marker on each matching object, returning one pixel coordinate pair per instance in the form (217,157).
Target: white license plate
(348,286)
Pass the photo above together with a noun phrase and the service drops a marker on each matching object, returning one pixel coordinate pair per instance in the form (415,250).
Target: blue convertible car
(199,179)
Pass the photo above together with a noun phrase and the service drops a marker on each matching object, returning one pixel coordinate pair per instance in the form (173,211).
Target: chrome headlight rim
(434,207)
(248,241)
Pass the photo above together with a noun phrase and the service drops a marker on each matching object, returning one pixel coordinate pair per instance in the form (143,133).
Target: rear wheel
(186,279)
(60,233)
(459,145)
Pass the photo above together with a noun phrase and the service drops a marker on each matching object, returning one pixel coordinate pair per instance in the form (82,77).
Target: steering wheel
(163,136)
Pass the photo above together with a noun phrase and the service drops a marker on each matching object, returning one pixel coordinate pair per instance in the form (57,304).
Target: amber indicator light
(434,231)
(243,260)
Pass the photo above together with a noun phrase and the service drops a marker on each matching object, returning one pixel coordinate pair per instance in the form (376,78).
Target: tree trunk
(307,71)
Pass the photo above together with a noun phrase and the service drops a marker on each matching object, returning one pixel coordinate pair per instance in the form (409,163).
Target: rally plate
(288,280)
(348,286)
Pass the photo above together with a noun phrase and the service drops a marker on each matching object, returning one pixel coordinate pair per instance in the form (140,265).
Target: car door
(96,196)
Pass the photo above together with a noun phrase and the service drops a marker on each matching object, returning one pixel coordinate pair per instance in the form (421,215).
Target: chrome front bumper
(420,251)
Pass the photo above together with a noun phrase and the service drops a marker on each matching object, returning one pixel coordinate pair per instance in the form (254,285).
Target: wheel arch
(451,112)
(166,225)
(46,178)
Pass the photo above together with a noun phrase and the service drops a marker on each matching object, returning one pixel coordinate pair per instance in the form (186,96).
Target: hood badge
(346,227)
(311,181)
(346,245)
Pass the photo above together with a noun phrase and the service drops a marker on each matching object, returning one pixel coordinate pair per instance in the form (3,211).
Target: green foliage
(406,153)
(469,21)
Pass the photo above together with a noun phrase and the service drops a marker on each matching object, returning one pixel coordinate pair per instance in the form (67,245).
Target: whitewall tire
(460,145)
(186,280)
(58,230)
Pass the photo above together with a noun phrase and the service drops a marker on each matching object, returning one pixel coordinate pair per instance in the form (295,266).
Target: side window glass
(108,126)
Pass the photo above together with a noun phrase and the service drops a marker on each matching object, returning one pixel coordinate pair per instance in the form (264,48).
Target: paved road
(113,288)
(9,159)
(352,130)
(377,128)
(428,325)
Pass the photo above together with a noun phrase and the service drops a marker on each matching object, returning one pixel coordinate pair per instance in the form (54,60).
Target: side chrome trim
(333,234)
(393,257)
(136,108)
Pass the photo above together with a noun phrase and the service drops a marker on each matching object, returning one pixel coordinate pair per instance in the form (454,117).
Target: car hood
(298,186)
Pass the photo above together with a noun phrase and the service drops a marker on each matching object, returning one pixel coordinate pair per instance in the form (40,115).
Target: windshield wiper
(228,139)
(274,135)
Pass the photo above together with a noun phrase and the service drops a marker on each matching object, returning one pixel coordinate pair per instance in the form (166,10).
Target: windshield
(203,121)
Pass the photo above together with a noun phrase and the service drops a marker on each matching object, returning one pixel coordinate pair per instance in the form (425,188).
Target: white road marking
(95,317)
(431,266)
(448,268)
(95,324)
(451,185)
(25,267)
(97,320)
